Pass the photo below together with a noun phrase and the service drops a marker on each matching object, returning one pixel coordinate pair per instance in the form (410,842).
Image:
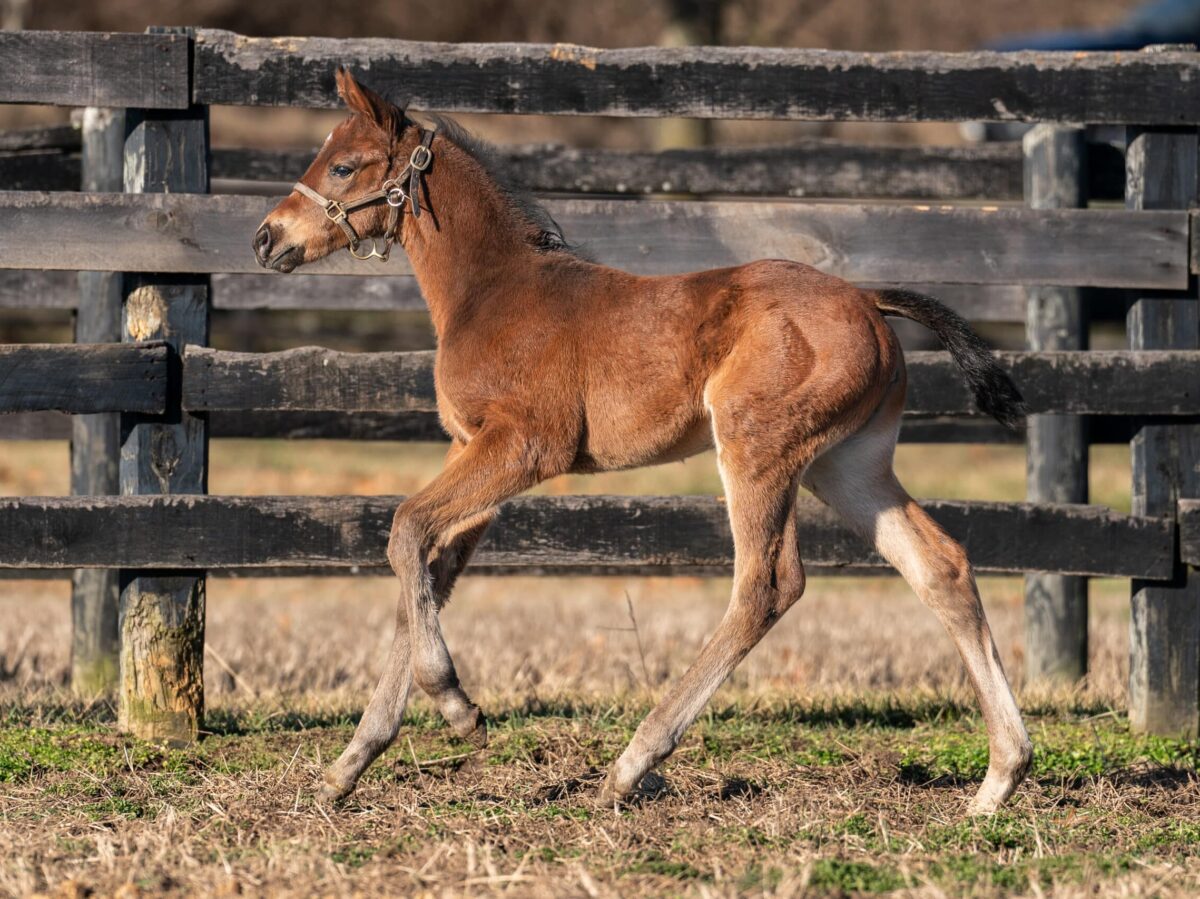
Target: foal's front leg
(381,721)
(432,536)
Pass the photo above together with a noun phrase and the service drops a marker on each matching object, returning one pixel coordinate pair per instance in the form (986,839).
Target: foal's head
(370,147)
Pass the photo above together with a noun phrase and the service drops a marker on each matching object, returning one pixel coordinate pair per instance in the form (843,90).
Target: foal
(548,363)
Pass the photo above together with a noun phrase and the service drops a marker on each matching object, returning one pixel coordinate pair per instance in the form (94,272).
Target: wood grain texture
(863,243)
(65,138)
(39,170)
(810,168)
(425,427)
(96,439)
(543,532)
(36,289)
(805,168)
(76,378)
(163,611)
(314,379)
(1189,531)
(87,68)
(1056,606)
(1164,675)
(705,82)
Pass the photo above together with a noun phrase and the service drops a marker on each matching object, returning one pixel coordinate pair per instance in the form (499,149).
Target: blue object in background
(1157,22)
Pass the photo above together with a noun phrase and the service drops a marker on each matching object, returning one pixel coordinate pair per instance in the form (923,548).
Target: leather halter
(392,192)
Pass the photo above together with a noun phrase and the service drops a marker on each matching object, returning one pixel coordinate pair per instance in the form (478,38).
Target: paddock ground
(837,761)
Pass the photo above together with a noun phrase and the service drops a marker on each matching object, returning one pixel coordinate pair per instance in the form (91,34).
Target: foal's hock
(549,363)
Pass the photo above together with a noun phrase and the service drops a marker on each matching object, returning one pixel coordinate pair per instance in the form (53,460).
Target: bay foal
(548,363)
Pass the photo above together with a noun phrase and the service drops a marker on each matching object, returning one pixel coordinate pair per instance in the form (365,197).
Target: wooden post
(1164,664)
(162,612)
(1056,462)
(95,439)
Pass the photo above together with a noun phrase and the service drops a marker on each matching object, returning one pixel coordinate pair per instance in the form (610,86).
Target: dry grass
(837,761)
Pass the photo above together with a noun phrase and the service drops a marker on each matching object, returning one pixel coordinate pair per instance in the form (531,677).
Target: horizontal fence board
(543,532)
(40,170)
(706,82)
(425,427)
(1189,531)
(804,168)
(36,289)
(811,168)
(873,243)
(1114,382)
(83,378)
(308,379)
(65,138)
(90,68)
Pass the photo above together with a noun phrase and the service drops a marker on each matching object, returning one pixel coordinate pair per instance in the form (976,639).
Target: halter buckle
(421,157)
(335,211)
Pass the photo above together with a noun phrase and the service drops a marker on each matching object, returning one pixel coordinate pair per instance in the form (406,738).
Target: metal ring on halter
(374,254)
(395,195)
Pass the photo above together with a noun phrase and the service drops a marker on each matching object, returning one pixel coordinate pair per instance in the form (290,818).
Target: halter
(391,192)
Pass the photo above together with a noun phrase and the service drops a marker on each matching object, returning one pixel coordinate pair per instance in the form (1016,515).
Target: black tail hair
(995,393)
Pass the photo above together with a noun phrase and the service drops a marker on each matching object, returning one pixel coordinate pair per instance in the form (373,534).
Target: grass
(838,761)
(768,794)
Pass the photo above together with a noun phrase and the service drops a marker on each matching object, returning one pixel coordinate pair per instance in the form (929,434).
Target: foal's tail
(995,393)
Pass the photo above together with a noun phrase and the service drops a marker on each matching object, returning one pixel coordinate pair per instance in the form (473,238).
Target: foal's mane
(547,235)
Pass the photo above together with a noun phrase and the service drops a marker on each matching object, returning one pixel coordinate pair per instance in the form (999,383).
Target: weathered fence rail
(184,252)
(543,532)
(1103,248)
(707,82)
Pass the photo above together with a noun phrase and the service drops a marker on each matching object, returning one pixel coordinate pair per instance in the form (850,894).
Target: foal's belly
(652,447)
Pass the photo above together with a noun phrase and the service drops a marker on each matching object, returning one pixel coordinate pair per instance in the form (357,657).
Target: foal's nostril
(262,243)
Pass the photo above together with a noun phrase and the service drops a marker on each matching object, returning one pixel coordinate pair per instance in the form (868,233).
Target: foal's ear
(365,102)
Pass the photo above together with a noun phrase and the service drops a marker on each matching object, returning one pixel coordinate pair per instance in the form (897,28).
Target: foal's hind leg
(856,479)
(768,578)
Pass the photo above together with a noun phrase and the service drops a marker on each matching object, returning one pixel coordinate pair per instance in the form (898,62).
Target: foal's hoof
(474,730)
(332,790)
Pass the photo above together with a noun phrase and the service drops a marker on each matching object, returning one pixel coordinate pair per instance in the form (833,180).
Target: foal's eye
(341,171)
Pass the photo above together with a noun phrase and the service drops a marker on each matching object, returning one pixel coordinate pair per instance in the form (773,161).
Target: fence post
(1056,461)
(162,612)
(95,439)
(1164,663)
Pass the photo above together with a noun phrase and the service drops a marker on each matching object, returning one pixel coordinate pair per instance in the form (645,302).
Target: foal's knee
(406,540)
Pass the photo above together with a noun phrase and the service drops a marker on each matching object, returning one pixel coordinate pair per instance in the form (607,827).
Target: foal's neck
(469,242)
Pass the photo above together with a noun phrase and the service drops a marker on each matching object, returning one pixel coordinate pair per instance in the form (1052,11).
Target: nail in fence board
(705,82)
(96,439)
(863,243)
(162,611)
(1056,609)
(543,532)
(87,68)
(1164,675)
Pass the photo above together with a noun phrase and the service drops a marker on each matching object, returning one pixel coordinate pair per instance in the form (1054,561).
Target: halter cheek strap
(391,192)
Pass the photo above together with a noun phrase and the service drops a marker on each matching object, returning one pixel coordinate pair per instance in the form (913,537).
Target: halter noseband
(391,192)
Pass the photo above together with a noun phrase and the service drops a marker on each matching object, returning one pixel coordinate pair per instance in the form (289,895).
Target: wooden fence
(160,232)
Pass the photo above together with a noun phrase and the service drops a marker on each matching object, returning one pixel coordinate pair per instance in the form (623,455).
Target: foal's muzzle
(282,260)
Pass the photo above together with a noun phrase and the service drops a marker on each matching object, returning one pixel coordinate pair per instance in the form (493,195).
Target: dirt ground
(837,761)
